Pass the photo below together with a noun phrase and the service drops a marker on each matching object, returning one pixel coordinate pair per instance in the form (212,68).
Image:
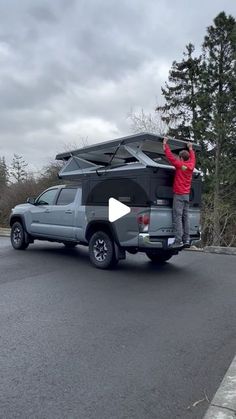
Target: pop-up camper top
(133,151)
(132,169)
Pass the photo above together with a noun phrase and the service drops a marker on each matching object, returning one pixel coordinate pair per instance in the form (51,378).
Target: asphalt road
(140,342)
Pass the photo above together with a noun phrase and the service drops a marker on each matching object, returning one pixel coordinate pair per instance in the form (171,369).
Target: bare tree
(82,142)
(149,122)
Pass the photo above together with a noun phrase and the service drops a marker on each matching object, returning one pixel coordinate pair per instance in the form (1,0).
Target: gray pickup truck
(77,213)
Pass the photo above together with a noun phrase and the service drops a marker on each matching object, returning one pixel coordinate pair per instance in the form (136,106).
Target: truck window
(47,198)
(66,196)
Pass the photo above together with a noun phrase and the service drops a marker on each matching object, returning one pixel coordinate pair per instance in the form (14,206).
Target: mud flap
(119,252)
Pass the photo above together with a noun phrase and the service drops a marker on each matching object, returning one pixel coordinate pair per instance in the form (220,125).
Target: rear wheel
(18,239)
(101,250)
(160,256)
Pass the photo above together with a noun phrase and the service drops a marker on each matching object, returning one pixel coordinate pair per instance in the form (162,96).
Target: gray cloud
(41,13)
(75,68)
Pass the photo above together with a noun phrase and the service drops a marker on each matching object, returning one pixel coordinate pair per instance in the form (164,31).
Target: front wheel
(159,256)
(101,250)
(18,240)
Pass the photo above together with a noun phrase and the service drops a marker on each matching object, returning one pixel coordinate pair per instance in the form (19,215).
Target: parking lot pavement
(139,342)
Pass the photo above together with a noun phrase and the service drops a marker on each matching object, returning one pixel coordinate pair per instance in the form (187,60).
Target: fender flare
(19,217)
(102,223)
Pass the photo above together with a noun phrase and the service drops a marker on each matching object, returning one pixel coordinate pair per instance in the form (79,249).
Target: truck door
(63,214)
(53,216)
(41,213)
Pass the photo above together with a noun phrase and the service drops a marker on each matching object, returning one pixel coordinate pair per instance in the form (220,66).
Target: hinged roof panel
(144,148)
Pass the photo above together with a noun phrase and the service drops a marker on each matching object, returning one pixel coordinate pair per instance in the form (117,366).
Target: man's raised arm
(170,156)
(192,159)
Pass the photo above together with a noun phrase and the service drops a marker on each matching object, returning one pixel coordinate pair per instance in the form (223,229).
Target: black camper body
(132,170)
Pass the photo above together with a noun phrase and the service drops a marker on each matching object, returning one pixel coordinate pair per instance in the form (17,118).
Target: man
(184,166)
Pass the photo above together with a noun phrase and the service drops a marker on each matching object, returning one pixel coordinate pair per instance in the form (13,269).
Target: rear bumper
(145,241)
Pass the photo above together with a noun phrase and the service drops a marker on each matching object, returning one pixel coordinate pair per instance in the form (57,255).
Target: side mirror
(31,201)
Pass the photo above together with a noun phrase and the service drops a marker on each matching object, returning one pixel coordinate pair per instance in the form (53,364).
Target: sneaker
(176,245)
(187,244)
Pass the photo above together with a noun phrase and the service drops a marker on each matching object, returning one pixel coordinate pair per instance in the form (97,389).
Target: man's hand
(165,139)
(189,145)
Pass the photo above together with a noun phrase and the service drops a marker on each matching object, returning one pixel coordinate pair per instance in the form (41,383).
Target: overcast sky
(73,69)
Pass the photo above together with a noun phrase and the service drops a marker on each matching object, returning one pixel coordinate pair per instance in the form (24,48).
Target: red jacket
(184,171)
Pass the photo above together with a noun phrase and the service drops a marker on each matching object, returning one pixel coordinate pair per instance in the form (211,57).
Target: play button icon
(116,209)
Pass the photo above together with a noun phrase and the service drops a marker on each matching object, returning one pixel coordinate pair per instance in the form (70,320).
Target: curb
(214,249)
(5,232)
(223,405)
(193,249)
(220,250)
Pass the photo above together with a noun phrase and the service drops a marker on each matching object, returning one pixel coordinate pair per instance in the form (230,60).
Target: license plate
(171,240)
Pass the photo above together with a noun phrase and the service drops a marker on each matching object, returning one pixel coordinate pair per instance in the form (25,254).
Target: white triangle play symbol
(116,209)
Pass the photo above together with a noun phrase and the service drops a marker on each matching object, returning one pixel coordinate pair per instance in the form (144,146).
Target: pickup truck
(60,215)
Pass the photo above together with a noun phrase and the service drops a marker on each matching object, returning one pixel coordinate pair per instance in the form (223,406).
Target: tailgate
(161,221)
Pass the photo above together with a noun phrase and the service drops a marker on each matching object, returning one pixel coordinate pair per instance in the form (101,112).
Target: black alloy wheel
(18,239)
(101,250)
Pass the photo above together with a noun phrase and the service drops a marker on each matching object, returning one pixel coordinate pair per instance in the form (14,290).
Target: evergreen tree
(18,168)
(201,104)
(180,111)
(3,173)
(218,109)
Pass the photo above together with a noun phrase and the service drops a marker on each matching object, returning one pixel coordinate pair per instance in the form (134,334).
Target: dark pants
(181,217)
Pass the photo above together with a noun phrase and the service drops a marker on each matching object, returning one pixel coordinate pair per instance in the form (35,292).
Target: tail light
(143,222)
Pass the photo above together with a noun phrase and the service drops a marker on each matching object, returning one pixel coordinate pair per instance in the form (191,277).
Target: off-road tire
(159,257)
(18,239)
(101,250)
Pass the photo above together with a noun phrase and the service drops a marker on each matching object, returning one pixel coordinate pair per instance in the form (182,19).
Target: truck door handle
(68,211)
